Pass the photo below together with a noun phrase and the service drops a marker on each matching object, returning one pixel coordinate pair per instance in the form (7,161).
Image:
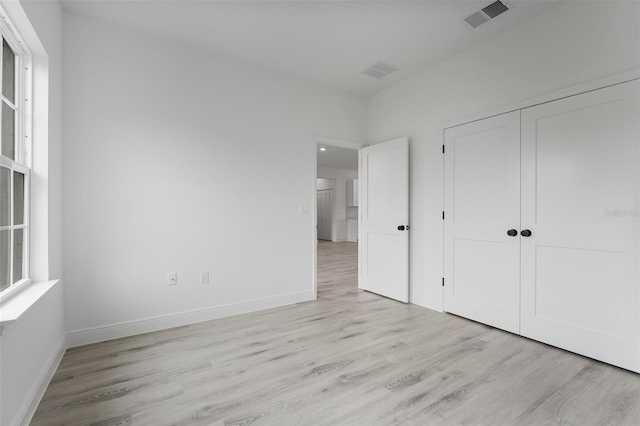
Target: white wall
(31,348)
(166,153)
(573,43)
(340,212)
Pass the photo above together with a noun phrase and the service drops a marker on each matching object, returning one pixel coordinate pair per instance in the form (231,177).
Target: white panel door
(384,208)
(482,206)
(580,201)
(325,214)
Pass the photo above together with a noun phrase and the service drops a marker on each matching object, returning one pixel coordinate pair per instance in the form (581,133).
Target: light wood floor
(349,358)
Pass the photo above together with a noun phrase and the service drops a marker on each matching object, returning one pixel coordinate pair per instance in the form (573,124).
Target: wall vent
(380,70)
(487,13)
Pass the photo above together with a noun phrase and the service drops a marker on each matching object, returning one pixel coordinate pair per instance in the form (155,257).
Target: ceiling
(339,158)
(327,42)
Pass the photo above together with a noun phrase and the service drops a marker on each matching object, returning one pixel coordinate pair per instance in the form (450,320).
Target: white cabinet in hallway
(541,223)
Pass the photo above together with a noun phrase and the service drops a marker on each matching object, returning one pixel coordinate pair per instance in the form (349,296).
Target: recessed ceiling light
(323,149)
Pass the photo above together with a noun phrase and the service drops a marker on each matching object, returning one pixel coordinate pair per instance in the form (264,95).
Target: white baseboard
(146,325)
(435,305)
(30,404)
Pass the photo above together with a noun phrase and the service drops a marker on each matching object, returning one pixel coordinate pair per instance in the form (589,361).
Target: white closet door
(580,201)
(482,203)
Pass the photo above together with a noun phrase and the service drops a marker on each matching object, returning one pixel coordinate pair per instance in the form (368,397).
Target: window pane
(4,259)
(8,72)
(5,194)
(18,198)
(18,254)
(8,131)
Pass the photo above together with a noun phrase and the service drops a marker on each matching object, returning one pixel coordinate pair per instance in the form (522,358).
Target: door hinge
(442,215)
(442,281)
(443,149)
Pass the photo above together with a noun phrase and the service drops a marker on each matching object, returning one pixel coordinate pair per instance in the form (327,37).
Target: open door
(384,224)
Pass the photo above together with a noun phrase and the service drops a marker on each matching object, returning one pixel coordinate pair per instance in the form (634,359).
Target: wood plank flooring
(349,358)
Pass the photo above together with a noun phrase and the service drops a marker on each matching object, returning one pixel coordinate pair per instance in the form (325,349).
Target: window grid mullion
(8,102)
(9,228)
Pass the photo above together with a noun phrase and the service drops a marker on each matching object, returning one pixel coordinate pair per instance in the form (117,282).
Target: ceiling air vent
(380,70)
(476,19)
(495,9)
(487,13)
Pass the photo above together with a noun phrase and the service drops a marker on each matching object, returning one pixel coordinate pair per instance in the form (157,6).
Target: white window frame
(23,146)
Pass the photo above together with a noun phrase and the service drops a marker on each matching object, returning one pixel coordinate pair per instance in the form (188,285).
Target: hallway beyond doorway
(337,268)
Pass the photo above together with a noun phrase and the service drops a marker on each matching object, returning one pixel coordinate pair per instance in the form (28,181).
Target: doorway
(376,196)
(336,218)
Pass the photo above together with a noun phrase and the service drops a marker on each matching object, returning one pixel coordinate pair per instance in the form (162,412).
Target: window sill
(14,307)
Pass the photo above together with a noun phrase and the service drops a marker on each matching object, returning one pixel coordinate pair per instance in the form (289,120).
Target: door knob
(401,228)
(512,232)
(525,233)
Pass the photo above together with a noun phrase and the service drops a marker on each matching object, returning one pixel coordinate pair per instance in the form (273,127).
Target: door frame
(340,143)
(600,83)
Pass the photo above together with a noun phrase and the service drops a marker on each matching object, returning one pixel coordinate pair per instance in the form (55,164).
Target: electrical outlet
(204,277)
(172,278)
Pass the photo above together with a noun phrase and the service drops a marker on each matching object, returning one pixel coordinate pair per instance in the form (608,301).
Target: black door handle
(512,232)
(525,233)
(401,228)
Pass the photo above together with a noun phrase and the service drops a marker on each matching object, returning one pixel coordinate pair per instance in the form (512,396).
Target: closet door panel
(579,269)
(482,202)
